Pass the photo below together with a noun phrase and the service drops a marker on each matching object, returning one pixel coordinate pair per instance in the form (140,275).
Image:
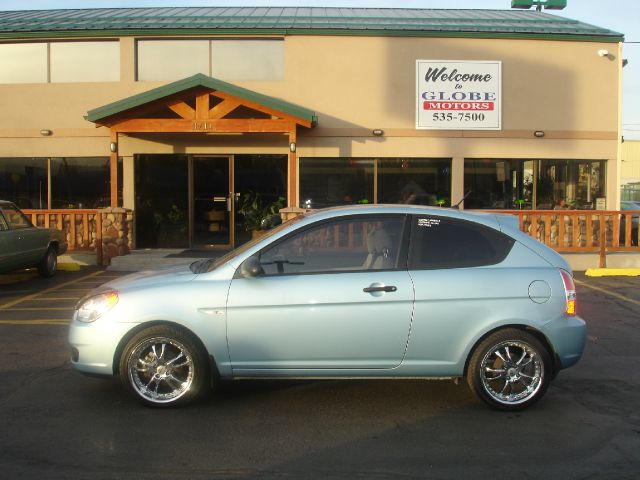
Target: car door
(9,246)
(26,243)
(463,286)
(335,295)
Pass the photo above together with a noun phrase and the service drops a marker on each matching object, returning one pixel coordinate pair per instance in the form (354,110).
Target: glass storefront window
(60,62)
(414,180)
(80,182)
(23,63)
(24,181)
(499,184)
(327,182)
(186,57)
(247,59)
(533,184)
(259,178)
(85,61)
(231,60)
(162,201)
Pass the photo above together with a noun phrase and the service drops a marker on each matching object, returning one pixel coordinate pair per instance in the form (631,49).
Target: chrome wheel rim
(160,369)
(512,372)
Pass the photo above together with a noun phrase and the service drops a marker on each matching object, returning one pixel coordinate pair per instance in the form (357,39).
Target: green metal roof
(199,80)
(297,21)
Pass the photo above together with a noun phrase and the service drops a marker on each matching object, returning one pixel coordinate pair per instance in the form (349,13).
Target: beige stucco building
(308,107)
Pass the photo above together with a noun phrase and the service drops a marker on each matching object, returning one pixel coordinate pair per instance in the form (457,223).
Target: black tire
(49,265)
(510,370)
(163,366)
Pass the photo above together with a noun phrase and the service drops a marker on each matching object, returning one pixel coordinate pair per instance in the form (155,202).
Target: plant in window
(254,209)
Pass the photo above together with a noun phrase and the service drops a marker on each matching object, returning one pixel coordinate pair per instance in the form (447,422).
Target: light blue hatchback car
(350,292)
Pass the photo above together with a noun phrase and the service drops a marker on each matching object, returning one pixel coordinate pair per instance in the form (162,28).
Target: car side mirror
(251,268)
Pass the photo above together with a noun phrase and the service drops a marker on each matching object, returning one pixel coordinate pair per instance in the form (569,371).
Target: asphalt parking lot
(56,423)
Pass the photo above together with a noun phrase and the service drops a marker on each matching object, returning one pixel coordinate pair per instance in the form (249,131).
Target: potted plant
(254,209)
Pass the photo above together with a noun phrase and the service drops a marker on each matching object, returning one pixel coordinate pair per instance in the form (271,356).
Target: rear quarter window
(441,242)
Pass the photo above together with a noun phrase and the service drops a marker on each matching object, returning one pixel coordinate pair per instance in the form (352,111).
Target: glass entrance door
(212,205)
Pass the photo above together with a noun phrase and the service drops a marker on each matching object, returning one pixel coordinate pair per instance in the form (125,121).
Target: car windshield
(209,265)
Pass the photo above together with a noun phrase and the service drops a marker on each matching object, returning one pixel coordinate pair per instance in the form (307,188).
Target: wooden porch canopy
(201,104)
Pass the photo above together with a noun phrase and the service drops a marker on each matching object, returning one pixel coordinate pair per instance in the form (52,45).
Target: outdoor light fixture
(113,146)
(603,52)
(292,146)
(45,132)
(547,4)
(377,132)
(538,134)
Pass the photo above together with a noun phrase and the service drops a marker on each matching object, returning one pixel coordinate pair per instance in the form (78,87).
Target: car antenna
(457,205)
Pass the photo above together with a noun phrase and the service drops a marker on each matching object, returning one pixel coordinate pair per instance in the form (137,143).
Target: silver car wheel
(160,369)
(512,372)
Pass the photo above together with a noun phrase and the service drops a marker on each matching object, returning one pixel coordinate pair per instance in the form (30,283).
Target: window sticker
(428,222)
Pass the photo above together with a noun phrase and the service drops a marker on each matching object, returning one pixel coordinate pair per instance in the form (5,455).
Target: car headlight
(92,308)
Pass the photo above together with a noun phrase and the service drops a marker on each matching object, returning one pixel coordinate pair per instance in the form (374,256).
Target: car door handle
(386,288)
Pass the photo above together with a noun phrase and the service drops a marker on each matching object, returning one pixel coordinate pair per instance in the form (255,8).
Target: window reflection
(185,58)
(80,182)
(355,244)
(24,181)
(231,60)
(327,182)
(23,63)
(85,61)
(247,59)
(529,184)
(414,180)
(162,201)
(60,62)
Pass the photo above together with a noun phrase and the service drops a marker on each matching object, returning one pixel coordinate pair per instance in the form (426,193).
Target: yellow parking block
(612,272)
(69,267)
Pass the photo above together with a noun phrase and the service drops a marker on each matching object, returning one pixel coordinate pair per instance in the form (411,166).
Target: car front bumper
(93,345)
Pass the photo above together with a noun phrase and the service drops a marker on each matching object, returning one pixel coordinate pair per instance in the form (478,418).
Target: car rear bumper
(568,336)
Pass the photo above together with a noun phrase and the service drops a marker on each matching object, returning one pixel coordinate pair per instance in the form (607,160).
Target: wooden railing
(581,230)
(83,228)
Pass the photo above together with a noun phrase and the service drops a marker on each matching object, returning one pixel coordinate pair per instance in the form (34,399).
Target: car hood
(148,278)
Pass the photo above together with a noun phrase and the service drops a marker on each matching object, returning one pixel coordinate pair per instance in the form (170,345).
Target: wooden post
(113,169)
(293,170)
(603,241)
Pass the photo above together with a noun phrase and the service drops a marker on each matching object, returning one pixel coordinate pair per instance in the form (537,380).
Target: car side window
(16,219)
(350,244)
(3,223)
(441,242)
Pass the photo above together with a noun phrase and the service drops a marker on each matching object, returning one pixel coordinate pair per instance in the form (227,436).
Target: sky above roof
(618,15)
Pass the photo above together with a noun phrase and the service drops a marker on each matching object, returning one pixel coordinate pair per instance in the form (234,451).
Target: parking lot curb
(612,272)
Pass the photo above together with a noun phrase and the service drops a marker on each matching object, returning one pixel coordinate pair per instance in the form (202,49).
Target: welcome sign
(459,95)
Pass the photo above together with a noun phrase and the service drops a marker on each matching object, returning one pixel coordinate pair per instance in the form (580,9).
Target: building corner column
(113,168)
(457,181)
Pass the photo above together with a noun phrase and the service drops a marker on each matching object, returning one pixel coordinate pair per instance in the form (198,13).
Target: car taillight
(570,293)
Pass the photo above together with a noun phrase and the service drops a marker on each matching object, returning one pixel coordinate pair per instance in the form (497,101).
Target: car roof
(486,218)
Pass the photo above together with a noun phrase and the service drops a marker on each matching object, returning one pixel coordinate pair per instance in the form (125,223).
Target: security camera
(603,53)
